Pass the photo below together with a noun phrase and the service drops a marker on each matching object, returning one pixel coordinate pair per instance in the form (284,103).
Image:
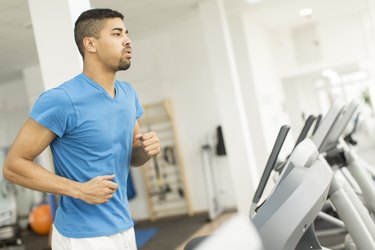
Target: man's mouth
(128,53)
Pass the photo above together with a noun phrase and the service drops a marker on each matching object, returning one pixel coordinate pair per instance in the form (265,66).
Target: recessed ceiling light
(305,12)
(254,1)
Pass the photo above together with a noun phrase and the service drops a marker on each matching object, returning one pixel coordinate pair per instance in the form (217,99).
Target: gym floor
(173,232)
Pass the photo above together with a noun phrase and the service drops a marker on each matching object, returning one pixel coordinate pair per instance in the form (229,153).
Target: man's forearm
(30,175)
(139,157)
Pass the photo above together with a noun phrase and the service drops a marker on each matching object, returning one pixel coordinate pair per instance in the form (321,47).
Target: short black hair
(90,22)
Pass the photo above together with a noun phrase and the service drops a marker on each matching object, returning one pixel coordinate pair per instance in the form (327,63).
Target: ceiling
(18,49)
(284,13)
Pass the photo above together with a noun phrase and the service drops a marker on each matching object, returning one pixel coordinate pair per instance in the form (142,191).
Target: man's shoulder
(71,85)
(63,92)
(55,97)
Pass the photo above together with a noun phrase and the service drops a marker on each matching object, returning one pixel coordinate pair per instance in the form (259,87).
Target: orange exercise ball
(40,219)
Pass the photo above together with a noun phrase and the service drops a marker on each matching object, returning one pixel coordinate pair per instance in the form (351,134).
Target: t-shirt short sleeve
(138,106)
(54,110)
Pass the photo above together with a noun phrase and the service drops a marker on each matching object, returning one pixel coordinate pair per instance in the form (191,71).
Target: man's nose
(127,40)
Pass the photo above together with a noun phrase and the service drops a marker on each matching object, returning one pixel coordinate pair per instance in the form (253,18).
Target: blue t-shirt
(94,137)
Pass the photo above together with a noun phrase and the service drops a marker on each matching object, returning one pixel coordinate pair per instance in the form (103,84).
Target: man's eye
(116,34)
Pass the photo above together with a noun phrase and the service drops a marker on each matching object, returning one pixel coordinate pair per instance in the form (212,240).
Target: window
(348,86)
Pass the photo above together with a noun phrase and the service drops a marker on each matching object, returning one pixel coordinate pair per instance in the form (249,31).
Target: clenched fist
(98,190)
(150,143)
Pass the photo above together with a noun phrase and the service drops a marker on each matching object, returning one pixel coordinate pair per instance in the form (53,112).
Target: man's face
(113,46)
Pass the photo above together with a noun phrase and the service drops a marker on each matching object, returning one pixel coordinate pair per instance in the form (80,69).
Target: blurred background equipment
(40,219)
(10,232)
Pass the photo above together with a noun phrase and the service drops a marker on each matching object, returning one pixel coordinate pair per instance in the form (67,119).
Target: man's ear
(89,44)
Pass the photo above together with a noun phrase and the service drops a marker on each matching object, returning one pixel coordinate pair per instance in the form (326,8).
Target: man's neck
(102,77)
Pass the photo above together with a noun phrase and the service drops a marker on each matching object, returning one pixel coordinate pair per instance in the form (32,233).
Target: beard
(124,65)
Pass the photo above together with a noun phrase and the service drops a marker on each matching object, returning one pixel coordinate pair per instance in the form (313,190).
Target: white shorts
(120,241)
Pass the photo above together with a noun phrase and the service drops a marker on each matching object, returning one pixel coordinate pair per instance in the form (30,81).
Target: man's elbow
(138,158)
(8,173)
(136,164)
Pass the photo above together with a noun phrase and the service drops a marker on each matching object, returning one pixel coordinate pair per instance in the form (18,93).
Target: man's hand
(150,143)
(98,190)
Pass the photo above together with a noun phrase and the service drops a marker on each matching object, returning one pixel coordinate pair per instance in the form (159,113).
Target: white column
(53,24)
(33,83)
(248,85)
(230,102)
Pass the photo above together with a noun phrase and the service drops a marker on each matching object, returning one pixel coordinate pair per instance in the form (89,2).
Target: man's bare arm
(20,169)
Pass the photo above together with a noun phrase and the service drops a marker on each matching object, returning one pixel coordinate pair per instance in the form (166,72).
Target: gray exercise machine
(339,153)
(272,217)
(343,195)
(285,219)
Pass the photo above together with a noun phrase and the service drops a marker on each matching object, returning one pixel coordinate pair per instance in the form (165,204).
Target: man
(90,123)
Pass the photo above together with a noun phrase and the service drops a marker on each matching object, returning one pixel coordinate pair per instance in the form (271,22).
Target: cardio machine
(285,219)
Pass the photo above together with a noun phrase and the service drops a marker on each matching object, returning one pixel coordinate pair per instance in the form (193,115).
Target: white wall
(301,98)
(196,110)
(341,41)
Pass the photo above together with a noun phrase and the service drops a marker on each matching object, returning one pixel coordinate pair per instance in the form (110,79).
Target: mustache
(127,48)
